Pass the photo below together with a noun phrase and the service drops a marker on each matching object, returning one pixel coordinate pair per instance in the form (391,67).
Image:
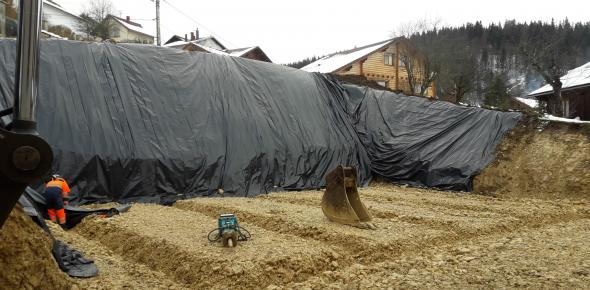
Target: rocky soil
(425,239)
(542,160)
(26,261)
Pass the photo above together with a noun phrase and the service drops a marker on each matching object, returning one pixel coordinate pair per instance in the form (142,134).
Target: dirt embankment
(541,160)
(25,256)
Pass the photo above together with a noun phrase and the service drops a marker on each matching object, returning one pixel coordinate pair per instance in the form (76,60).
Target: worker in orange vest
(55,191)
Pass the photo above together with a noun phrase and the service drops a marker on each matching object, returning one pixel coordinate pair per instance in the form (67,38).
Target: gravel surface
(424,239)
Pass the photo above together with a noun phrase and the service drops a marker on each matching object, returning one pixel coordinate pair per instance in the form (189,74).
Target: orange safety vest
(61,183)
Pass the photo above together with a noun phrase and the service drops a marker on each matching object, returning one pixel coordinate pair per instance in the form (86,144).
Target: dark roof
(174,38)
(246,50)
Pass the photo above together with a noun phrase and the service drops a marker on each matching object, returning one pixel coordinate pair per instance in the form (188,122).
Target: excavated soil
(425,239)
(540,160)
(26,261)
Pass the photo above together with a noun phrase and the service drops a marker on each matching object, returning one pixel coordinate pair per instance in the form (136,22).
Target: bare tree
(419,59)
(548,65)
(459,69)
(411,28)
(94,19)
(551,57)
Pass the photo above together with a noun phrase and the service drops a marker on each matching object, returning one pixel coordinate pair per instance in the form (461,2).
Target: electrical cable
(243,234)
(196,22)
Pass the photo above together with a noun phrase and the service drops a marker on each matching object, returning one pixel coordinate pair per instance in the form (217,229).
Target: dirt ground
(26,261)
(424,239)
(540,159)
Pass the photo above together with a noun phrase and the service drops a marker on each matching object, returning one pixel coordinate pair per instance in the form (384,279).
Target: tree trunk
(554,104)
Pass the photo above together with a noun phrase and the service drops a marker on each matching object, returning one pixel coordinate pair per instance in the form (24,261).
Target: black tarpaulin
(426,143)
(72,262)
(144,123)
(32,201)
(68,259)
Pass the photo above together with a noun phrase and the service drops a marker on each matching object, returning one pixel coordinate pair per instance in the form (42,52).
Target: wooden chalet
(379,62)
(575,93)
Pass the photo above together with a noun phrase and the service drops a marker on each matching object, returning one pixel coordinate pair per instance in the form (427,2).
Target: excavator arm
(25,157)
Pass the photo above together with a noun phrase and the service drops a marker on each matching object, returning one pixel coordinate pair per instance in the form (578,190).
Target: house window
(388,58)
(116,32)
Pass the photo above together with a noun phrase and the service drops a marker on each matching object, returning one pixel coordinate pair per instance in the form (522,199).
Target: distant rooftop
(575,78)
(335,61)
(133,26)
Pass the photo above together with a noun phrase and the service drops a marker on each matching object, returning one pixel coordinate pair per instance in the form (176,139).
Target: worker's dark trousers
(55,204)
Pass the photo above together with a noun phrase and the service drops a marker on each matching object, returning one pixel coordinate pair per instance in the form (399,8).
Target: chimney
(185,38)
(192,36)
(197,34)
(128,18)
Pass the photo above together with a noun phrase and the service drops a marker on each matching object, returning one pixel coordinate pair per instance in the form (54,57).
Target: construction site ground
(425,239)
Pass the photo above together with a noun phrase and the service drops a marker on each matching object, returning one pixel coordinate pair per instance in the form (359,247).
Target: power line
(196,22)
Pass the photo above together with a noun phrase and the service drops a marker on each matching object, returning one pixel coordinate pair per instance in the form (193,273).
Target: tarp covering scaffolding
(143,123)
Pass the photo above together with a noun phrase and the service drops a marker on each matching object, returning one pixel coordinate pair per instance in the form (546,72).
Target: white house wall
(55,17)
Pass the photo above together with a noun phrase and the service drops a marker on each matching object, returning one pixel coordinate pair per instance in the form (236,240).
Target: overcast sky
(292,30)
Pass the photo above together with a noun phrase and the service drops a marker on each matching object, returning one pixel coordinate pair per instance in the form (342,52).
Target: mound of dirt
(540,160)
(26,261)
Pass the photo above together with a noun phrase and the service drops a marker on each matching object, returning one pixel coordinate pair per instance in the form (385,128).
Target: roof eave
(63,10)
(121,23)
(376,49)
(563,90)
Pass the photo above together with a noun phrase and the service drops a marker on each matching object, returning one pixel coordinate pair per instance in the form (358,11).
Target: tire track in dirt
(374,212)
(365,250)
(463,204)
(549,257)
(161,246)
(467,204)
(277,224)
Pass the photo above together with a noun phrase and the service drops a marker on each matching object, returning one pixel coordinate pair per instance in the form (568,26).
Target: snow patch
(132,27)
(335,61)
(564,120)
(529,102)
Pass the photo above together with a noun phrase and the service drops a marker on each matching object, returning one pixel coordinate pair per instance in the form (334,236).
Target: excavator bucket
(341,202)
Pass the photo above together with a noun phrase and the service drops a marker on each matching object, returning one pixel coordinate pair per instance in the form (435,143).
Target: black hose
(242,236)
(215,238)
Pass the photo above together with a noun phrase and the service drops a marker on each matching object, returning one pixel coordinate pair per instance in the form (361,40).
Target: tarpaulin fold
(422,142)
(68,259)
(33,201)
(143,123)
